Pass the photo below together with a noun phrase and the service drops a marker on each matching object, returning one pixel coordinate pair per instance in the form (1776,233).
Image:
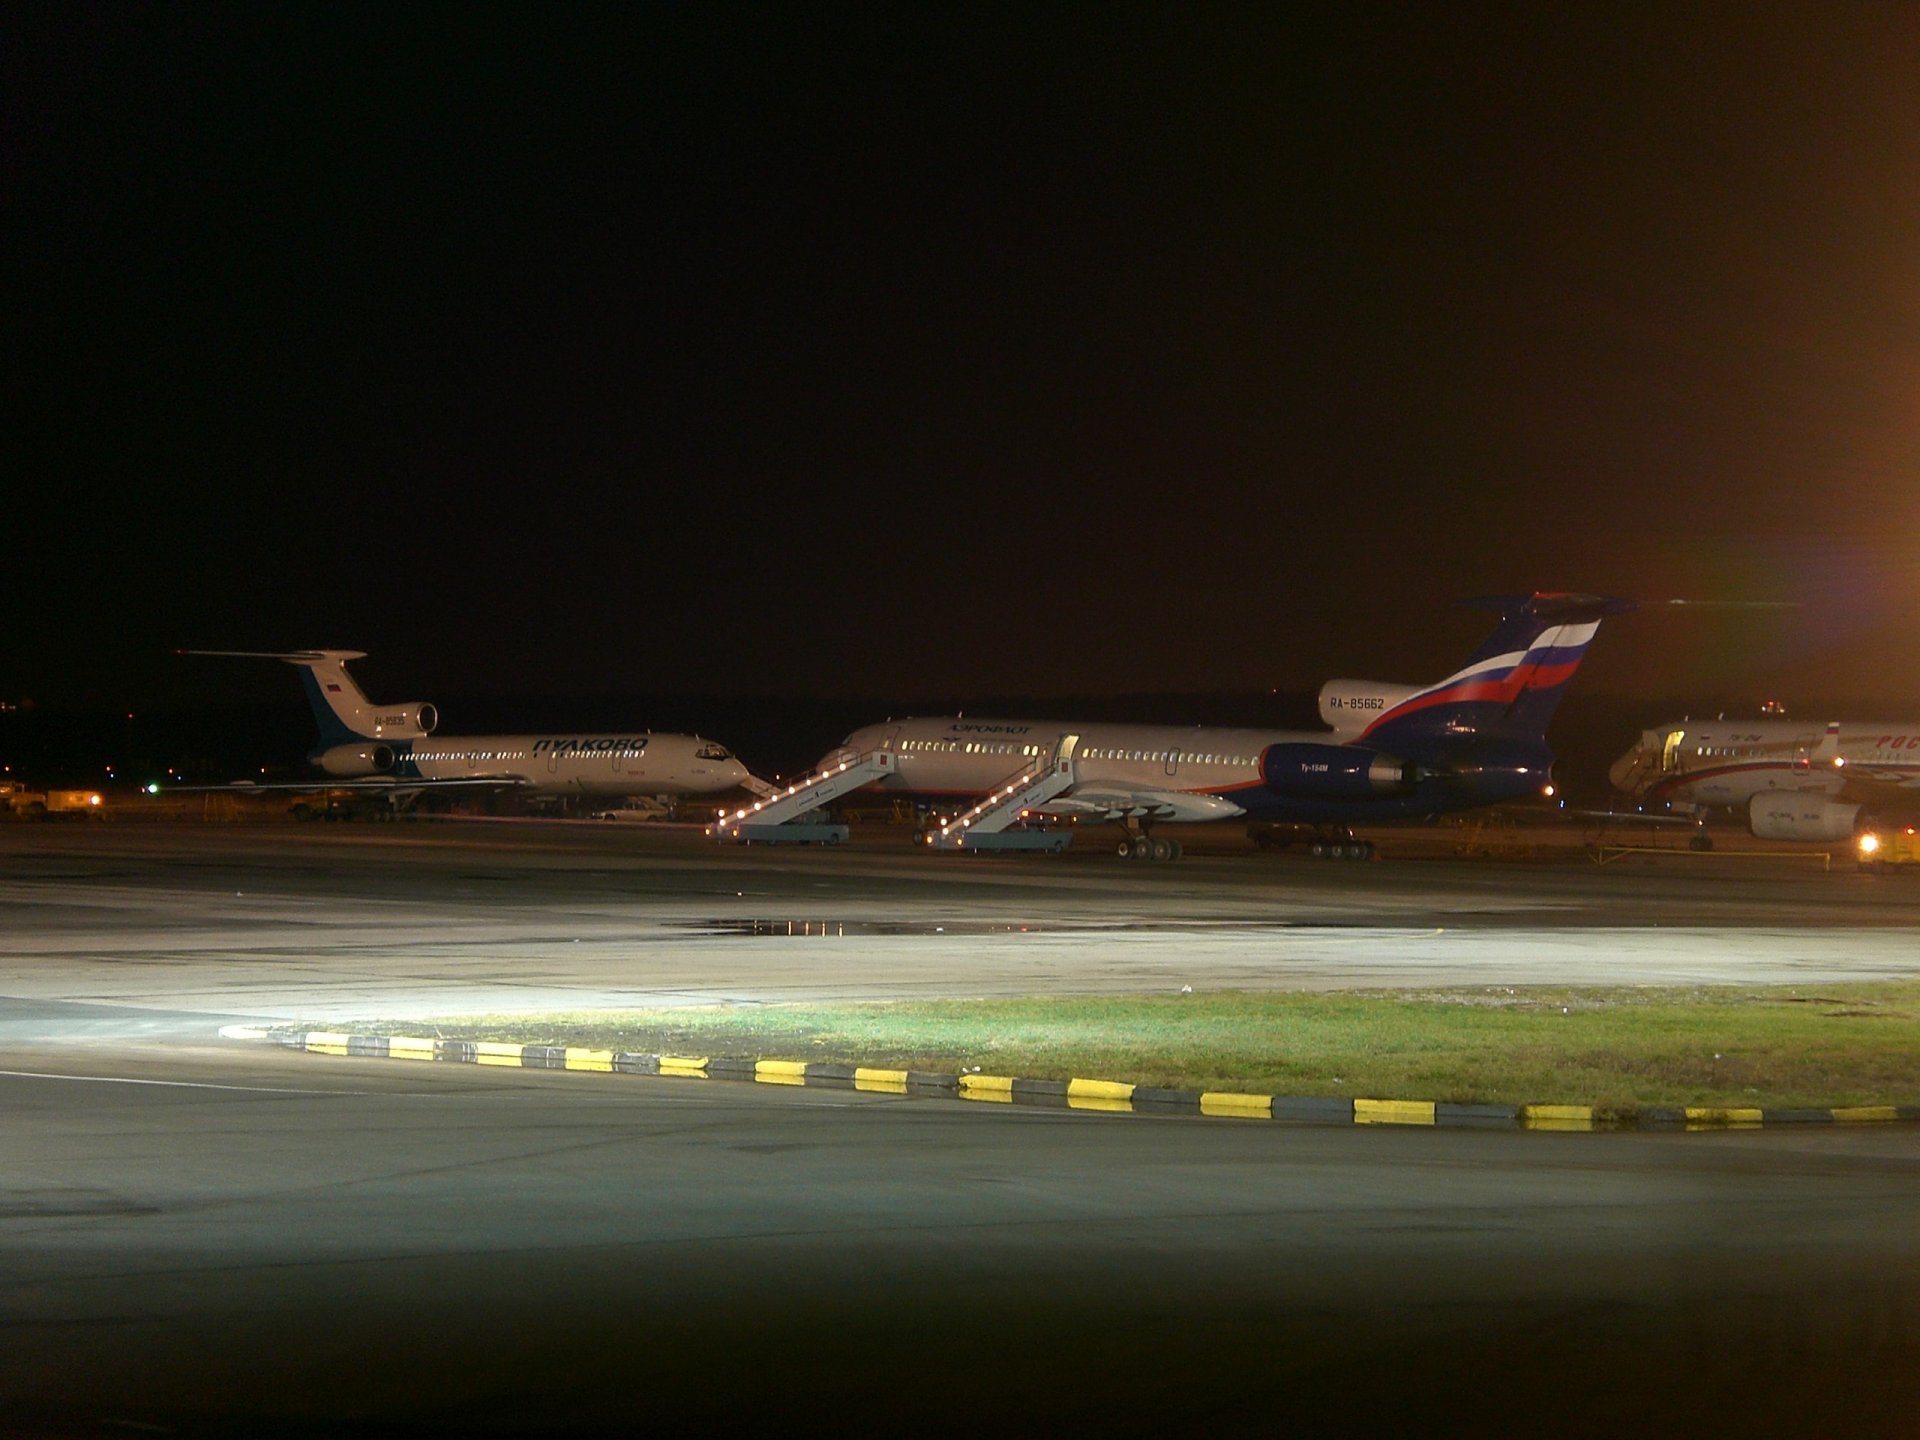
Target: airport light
(1869,843)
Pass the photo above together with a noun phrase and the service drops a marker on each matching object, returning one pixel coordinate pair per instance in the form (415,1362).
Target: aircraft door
(1173,761)
(890,743)
(1670,751)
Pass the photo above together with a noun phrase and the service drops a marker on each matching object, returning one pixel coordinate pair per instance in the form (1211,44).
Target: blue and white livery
(393,748)
(1391,752)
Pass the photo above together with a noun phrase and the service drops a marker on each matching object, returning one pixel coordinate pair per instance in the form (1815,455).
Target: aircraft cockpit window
(710,751)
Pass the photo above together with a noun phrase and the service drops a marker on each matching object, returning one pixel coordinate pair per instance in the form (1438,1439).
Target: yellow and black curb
(1106,1095)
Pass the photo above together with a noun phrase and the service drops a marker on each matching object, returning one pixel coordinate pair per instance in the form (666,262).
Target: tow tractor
(1888,849)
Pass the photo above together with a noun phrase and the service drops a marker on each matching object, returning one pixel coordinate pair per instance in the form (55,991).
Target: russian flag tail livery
(1511,686)
(340,710)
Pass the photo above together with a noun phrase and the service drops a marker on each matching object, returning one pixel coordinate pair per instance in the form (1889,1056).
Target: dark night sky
(725,349)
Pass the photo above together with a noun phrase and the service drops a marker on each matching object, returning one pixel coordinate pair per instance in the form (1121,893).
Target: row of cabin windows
(983,747)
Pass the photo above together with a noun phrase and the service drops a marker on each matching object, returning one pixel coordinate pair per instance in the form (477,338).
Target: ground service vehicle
(1889,849)
(24,803)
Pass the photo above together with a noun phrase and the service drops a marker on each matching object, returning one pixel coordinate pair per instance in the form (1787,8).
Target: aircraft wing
(1866,786)
(384,784)
(1630,817)
(1107,801)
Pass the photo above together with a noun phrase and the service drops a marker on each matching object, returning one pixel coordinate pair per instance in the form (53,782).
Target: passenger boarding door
(1670,751)
(1173,761)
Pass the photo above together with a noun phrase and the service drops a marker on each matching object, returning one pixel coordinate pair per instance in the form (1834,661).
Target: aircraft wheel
(1178,849)
(1125,848)
(1162,850)
(1318,849)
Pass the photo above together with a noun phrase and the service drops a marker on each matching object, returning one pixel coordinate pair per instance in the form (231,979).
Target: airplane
(392,749)
(1787,780)
(1390,752)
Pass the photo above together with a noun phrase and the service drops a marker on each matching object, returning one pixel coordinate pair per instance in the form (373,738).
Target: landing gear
(1701,841)
(1348,849)
(1141,846)
(1324,842)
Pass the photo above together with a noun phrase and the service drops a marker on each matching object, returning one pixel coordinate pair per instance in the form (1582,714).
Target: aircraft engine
(1797,815)
(1352,705)
(350,760)
(416,717)
(1335,772)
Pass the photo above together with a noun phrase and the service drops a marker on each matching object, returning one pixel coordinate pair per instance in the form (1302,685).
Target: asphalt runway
(208,1237)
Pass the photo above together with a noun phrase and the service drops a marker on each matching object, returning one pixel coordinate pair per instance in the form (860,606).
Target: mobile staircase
(775,818)
(984,829)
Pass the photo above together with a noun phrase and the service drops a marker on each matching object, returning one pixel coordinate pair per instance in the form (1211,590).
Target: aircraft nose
(1621,775)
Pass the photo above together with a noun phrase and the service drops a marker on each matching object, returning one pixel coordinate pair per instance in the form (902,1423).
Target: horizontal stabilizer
(1560,608)
(292,657)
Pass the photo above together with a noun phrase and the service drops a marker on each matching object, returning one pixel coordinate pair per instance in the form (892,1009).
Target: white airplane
(1789,781)
(392,749)
(1392,752)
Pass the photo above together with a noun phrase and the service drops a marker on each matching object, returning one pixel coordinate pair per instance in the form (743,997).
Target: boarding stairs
(776,818)
(985,826)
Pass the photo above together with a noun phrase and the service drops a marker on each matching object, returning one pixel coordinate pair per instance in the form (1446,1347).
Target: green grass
(1616,1048)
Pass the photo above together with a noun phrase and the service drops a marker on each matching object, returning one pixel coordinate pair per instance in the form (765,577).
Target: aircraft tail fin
(340,708)
(1510,686)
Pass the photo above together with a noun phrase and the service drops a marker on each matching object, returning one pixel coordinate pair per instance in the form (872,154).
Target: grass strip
(1617,1048)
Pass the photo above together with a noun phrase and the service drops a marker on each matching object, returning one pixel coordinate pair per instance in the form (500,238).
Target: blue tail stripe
(333,731)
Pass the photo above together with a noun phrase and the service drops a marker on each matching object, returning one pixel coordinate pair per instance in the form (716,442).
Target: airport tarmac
(208,1237)
(329,924)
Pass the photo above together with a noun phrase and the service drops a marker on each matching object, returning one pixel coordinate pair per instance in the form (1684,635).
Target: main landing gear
(1324,842)
(1341,849)
(1139,845)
